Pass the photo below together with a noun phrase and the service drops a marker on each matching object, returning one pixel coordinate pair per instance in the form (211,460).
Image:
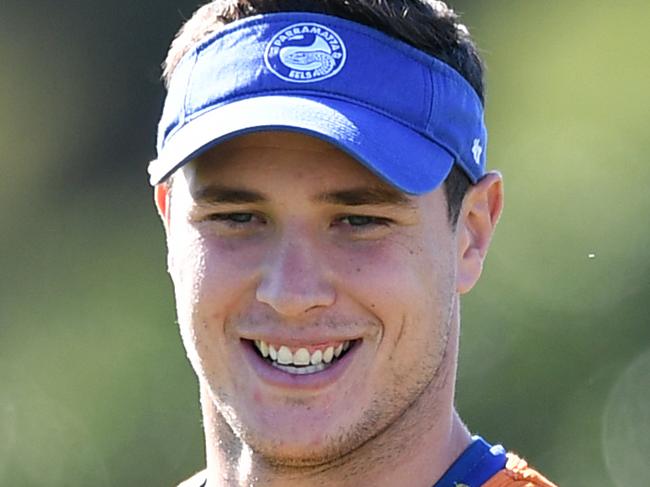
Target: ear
(479,215)
(161,194)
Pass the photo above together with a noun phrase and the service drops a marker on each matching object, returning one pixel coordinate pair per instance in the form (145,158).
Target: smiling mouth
(302,360)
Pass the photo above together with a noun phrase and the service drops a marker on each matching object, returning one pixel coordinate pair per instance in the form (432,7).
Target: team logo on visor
(305,53)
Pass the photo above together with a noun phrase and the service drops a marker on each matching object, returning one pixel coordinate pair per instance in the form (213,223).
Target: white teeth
(311,369)
(316,357)
(328,355)
(306,363)
(264,348)
(285,357)
(301,357)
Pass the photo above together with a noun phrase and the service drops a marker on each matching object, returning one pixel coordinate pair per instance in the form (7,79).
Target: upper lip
(301,341)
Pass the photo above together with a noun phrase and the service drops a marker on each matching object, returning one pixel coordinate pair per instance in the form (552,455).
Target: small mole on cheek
(417,251)
(358,269)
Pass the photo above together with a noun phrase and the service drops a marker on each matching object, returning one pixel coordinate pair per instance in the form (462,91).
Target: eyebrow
(224,195)
(371,195)
(366,196)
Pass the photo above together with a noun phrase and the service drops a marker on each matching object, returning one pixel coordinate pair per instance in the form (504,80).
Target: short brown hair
(428,25)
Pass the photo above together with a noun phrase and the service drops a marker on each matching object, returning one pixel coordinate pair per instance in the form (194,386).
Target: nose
(294,281)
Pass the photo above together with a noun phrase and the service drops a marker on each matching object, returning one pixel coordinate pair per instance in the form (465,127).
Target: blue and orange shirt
(485,465)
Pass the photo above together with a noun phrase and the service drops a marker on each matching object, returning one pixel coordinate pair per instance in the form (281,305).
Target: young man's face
(283,239)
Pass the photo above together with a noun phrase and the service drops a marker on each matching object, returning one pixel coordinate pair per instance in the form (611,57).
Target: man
(321,179)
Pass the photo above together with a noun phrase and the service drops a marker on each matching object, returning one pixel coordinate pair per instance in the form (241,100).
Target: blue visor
(405,115)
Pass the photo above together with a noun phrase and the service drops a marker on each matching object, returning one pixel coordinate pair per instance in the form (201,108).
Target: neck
(415,450)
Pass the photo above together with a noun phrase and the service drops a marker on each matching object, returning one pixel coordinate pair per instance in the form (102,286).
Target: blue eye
(359,220)
(236,218)
(239,217)
(363,220)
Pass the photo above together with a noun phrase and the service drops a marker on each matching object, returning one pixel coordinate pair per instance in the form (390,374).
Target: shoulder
(517,473)
(196,480)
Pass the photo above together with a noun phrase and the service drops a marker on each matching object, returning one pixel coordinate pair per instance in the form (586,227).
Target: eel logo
(305,53)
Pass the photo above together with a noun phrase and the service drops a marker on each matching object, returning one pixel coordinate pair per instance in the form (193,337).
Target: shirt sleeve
(517,473)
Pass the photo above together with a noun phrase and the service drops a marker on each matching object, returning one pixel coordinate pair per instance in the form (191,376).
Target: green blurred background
(555,363)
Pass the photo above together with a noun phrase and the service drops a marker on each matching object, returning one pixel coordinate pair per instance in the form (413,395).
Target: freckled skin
(301,264)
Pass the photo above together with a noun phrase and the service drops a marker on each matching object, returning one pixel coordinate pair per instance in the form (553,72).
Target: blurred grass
(95,389)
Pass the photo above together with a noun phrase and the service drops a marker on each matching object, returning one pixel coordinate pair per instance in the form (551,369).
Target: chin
(293,440)
(300,454)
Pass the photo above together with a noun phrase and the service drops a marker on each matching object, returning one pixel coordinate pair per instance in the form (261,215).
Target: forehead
(276,157)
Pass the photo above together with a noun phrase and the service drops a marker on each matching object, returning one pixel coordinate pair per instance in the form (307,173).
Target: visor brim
(394,152)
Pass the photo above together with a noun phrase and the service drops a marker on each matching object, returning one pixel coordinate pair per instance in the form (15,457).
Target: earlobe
(478,218)
(161,200)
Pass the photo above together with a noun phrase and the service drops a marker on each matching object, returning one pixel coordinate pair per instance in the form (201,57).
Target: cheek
(211,279)
(211,275)
(186,262)
(406,284)
(393,270)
